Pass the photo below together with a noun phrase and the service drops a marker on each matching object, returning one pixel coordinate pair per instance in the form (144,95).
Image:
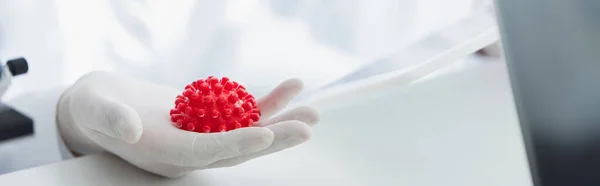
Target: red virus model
(214,105)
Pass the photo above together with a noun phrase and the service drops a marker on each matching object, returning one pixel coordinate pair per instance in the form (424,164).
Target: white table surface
(456,128)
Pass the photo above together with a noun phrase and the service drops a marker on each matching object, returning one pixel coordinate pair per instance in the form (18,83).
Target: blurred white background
(256,42)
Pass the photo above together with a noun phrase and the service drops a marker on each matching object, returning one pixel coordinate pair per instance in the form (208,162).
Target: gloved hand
(130,118)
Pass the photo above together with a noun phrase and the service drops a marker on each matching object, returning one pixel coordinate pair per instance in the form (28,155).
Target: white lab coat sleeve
(45,146)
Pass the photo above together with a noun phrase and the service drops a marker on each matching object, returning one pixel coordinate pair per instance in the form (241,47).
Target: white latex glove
(130,118)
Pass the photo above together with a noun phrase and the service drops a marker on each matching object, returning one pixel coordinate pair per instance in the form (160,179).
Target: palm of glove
(130,119)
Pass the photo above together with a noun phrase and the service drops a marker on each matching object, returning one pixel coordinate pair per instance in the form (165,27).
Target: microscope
(13,124)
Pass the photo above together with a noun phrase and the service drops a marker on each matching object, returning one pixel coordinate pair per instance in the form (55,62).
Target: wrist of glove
(129,118)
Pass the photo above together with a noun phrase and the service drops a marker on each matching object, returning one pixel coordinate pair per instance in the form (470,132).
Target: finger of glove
(95,111)
(287,134)
(304,114)
(279,98)
(184,148)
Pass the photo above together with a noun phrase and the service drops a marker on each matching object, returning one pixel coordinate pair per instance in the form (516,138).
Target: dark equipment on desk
(13,124)
(552,50)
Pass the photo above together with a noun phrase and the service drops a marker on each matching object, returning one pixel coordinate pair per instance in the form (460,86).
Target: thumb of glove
(93,107)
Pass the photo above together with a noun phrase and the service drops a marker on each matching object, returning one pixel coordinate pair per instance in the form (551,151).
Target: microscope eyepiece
(17,66)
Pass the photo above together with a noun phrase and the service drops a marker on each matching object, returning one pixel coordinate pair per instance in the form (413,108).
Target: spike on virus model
(214,105)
